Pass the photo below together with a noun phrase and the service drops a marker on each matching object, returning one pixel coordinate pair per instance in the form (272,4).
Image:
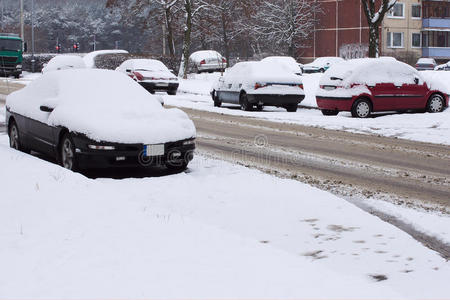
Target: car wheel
(14,138)
(435,103)
(67,153)
(329,112)
(245,105)
(259,107)
(291,107)
(361,108)
(172,93)
(322,70)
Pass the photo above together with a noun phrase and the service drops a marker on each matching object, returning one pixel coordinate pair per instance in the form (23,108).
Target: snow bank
(65,236)
(89,59)
(105,105)
(198,84)
(63,62)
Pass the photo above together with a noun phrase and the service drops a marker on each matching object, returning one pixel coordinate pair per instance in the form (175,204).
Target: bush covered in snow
(112,61)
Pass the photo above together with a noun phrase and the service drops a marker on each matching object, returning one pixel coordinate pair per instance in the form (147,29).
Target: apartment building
(436,29)
(401,31)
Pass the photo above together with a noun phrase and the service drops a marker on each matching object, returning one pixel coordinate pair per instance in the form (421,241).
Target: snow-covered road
(217,231)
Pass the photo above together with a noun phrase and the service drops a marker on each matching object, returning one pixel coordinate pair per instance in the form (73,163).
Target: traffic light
(75,47)
(58,48)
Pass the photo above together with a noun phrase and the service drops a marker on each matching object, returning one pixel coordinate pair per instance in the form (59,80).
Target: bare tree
(285,24)
(167,7)
(374,17)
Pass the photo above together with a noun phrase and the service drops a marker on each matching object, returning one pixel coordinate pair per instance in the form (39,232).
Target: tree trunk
(187,36)
(170,42)
(374,40)
(225,39)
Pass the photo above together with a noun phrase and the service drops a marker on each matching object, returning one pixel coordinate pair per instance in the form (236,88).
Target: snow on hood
(104,105)
(89,59)
(322,62)
(64,62)
(369,71)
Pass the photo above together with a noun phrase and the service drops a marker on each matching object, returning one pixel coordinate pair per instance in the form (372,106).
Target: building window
(398,11)
(394,40)
(416,11)
(415,40)
(436,9)
(436,39)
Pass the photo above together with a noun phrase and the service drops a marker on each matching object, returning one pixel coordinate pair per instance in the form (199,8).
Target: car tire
(217,102)
(259,107)
(291,107)
(362,108)
(172,93)
(329,112)
(435,103)
(322,70)
(15,141)
(67,157)
(243,101)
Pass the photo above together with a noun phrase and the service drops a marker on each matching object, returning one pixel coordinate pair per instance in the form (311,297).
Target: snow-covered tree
(284,24)
(375,10)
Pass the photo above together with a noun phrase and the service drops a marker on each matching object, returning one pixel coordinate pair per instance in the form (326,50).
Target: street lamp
(33,62)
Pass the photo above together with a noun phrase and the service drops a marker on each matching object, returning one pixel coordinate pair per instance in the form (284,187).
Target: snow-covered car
(287,62)
(95,118)
(259,84)
(443,67)
(389,86)
(207,61)
(152,74)
(89,59)
(321,64)
(426,64)
(64,62)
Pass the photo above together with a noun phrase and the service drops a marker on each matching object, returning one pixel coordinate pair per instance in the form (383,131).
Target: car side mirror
(416,80)
(128,70)
(45,108)
(25,47)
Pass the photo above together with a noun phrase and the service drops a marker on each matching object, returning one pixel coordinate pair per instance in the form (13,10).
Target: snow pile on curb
(65,236)
(198,84)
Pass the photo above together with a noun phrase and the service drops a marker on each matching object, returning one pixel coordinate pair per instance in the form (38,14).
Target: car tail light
(138,76)
(300,86)
(259,85)
(224,60)
(203,62)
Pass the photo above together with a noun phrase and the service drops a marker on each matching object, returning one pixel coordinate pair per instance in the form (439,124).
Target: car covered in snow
(96,118)
(390,85)
(285,61)
(259,84)
(64,62)
(426,64)
(152,74)
(206,61)
(443,67)
(321,64)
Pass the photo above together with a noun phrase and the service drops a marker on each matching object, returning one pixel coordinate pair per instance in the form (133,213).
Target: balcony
(436,23)
(436,52)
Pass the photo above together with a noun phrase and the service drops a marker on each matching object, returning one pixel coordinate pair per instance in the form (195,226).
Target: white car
(443,67)
(64,62)
(207,61)
(425,63)
(259,84)
(151,74)
(287,62)
(321,64)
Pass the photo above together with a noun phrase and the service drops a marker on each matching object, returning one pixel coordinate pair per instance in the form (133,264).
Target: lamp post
(21,21)
(33,62)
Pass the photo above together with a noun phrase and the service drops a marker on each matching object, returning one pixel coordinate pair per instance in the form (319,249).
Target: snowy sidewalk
(217,231)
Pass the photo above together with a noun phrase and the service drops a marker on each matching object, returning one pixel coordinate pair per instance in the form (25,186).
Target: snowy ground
(425,127)
(214,236)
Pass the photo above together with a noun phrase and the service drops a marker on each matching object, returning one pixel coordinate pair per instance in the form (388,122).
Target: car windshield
(10,45)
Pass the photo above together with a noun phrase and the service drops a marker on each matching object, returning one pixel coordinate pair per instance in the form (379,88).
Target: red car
(363,86)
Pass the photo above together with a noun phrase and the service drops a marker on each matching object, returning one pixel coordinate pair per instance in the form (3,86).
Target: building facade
(436,29)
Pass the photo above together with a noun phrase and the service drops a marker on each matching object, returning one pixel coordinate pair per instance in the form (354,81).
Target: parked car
(426,64)
(321,64)
(389,86)
(64,62)
(286,61)
(152,74)
(443,67)
(96,118)
(259,84)
(207,61)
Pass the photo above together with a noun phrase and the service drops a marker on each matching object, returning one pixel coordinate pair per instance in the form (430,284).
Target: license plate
(154,150)
(162,84)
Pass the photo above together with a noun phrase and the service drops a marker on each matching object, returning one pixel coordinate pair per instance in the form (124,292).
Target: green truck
(11,51)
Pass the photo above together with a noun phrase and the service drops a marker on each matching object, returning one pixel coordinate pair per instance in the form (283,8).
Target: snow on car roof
(425,60)
(89,59)
(62,62)
(287,61)
(199,55)
(102,104)
(369,71)
(148,64)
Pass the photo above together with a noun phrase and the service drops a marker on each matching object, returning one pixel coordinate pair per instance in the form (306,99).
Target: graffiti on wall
(349,51)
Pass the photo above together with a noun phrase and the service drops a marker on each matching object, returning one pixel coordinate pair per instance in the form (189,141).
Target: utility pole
(22,35)
(95,43)
(33,61)
(164,38)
